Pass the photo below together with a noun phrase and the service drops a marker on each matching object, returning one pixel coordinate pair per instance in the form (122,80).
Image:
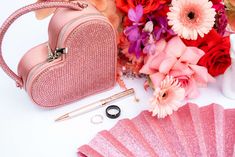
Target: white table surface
(27,130)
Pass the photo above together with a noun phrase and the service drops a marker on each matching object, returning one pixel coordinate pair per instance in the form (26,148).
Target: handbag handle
(25,10)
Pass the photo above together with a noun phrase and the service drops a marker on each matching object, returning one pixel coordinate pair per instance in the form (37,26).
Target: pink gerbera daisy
(189,18)
(167,97)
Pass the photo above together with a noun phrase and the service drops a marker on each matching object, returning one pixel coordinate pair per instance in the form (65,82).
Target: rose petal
(123,5)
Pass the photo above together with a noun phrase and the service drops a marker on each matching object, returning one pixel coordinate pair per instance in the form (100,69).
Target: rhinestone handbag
(78,60)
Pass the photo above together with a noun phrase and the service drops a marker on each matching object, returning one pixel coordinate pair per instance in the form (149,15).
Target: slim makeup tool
(95,105)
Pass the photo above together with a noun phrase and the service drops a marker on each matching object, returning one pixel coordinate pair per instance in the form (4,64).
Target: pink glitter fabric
(190,132)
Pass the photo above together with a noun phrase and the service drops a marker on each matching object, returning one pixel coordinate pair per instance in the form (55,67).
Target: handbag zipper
(58,52)
(52,56)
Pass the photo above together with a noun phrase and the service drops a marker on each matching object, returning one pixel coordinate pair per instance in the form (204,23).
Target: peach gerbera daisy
(189,18)
(167,97)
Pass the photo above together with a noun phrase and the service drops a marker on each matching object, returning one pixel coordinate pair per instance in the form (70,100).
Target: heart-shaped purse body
(78,60)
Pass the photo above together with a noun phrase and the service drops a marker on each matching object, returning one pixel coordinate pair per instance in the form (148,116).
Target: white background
(27,130)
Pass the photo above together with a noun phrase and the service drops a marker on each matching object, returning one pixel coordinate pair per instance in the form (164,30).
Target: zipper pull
(58,52)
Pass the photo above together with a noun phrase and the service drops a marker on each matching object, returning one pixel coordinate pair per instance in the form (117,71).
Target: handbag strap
(19,13)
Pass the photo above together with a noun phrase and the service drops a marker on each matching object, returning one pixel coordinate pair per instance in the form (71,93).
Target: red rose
(217,52)
(149,5)
(162,12)
(205,43)
(217,59)
(216,1)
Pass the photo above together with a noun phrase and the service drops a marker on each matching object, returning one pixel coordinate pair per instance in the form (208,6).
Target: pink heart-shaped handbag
(78,60)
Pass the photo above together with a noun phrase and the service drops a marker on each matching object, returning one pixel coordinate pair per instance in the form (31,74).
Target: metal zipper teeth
(59,43)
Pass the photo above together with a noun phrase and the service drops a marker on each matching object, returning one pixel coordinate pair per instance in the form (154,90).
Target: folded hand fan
(190,132)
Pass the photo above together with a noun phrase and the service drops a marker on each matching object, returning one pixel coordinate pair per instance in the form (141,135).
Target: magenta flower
(221,20)
(162,29)
(134,33)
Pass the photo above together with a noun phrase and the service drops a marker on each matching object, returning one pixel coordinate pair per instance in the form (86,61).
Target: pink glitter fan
(189,132)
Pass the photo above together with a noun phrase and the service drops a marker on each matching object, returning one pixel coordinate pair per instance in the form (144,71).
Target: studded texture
(88,67)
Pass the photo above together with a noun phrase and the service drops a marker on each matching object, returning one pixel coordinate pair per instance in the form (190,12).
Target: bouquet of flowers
(177,45)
